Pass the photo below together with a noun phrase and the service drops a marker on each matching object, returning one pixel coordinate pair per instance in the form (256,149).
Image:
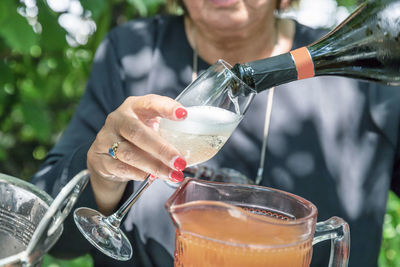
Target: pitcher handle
(55,215)
(338,231)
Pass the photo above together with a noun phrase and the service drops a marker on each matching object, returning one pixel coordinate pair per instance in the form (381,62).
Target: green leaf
(140,6)
(7,76)
(154,5)
(15,29)
(2,153)
(96,7)
(3,11)
(37,119)
(29,91)
(84,261)
(349,3)
(103,26)
(53,35)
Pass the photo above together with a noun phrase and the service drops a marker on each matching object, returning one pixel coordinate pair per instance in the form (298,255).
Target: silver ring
(112,151)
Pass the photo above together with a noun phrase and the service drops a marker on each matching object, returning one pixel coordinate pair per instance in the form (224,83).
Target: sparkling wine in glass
(202,134)
(216,102)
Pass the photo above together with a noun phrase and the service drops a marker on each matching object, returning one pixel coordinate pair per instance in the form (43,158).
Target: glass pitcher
(225,224)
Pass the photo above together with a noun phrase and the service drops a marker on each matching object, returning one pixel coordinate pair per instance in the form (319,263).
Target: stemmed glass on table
(216,102)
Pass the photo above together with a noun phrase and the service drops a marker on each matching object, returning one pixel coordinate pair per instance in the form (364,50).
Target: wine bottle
(365,46)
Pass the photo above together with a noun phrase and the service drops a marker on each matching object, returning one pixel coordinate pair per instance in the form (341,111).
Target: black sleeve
(385,114)
(395,184)
(103,94)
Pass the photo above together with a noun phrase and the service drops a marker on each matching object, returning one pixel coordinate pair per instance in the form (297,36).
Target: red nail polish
(152,178)
(180,164)
(176,176)
(180,113)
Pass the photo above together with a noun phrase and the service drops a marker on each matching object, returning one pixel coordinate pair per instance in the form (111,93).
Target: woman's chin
(231,22)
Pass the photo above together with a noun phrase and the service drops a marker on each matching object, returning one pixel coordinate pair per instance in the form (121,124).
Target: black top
(332,141)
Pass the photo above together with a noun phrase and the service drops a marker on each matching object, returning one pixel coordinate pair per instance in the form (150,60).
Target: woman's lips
(223,2)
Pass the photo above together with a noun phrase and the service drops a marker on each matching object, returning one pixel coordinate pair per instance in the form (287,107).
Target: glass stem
(116,218)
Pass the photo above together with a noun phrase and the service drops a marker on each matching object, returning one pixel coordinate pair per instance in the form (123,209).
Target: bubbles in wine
(202,134)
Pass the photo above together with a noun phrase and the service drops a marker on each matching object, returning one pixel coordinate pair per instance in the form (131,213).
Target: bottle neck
(365,46)
(266,73)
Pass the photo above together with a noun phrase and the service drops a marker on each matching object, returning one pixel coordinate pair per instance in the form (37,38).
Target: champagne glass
(216,102)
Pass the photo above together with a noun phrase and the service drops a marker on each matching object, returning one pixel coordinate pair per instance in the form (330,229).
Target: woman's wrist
(107,193)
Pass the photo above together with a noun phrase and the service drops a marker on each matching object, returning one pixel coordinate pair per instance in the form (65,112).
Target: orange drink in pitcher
(220,224)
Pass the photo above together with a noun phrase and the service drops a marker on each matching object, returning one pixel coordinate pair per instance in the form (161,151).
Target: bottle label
(303,62)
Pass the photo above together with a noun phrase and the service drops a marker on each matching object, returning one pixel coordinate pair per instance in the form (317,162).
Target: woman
(329,138)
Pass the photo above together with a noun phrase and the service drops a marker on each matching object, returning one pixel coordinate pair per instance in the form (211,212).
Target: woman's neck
(238,46)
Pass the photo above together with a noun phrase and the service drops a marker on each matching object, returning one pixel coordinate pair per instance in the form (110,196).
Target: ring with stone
(112,151)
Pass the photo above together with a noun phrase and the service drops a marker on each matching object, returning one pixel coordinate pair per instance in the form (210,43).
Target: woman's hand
(133,127)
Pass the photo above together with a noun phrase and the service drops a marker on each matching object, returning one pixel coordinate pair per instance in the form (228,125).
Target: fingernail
(179,164)
(180,113)
(152,178)
(176,176)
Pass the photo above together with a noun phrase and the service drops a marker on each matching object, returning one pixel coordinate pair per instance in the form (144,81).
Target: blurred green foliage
(348,3)
(84,261)
(42,78)
(390,252)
